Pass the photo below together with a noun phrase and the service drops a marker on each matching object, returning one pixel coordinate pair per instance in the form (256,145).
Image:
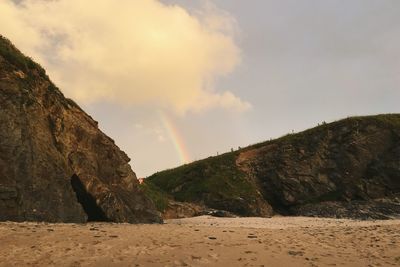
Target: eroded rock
(346,169)
(48,144)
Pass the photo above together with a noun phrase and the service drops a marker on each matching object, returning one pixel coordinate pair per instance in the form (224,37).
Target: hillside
(55,163)
(349,168)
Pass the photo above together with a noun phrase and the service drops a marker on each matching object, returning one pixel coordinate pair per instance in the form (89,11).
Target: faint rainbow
(176,138)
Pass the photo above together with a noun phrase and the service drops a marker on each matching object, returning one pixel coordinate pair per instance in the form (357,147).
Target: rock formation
(349,168)
(55,163)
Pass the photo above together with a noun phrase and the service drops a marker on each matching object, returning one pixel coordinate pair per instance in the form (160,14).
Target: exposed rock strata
(349,168)
(53,154)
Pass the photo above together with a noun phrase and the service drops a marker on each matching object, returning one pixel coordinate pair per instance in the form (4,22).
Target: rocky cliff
(55,163)
(349,168)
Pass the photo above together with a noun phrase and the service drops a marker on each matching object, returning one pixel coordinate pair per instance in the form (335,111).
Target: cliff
(55,163)
(349,168)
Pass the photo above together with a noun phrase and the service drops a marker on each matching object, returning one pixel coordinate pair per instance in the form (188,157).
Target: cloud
(225,100)
(128,52)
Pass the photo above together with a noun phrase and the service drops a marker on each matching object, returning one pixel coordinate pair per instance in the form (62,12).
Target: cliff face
(55,164)
(350,168)
(215,183)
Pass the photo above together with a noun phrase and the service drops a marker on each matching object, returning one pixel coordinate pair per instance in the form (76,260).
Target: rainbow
(176,139)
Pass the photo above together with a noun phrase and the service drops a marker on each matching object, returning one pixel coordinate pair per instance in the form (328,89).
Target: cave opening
(87,201)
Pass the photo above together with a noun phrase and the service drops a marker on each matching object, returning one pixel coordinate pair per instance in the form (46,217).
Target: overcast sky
(179,80)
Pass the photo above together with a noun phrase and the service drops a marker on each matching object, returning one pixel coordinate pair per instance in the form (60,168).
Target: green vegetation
(389,119)
(307,136)
(215,181)
(15,57)
(18,61)
(158,196)
(218,183)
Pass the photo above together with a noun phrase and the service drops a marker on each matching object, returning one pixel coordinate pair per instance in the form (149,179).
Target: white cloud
(129,52)
(225,100)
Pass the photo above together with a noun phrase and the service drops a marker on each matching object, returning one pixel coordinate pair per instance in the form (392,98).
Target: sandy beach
(204,241)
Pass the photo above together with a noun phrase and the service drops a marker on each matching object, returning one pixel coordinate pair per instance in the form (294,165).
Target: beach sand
(204,241)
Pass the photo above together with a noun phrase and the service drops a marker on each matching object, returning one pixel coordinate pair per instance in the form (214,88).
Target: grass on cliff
(307,136)
(210,180)
(392,120)
(15,57)
(219,178)
(158,196)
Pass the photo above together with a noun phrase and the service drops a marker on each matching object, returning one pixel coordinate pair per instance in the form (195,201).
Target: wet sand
(204,241)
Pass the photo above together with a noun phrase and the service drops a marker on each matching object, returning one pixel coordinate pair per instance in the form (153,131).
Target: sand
(204,241)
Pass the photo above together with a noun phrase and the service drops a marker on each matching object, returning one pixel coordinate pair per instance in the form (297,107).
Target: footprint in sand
(214,256)
(295,253)
(198,259)
(180,263)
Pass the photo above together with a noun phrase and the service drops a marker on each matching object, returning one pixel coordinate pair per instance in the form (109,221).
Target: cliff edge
(55,163)
(345,169)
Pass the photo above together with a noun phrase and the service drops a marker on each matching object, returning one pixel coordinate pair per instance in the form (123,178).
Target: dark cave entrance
(89,205)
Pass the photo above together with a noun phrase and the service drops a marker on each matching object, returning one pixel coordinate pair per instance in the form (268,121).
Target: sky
(175,81)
